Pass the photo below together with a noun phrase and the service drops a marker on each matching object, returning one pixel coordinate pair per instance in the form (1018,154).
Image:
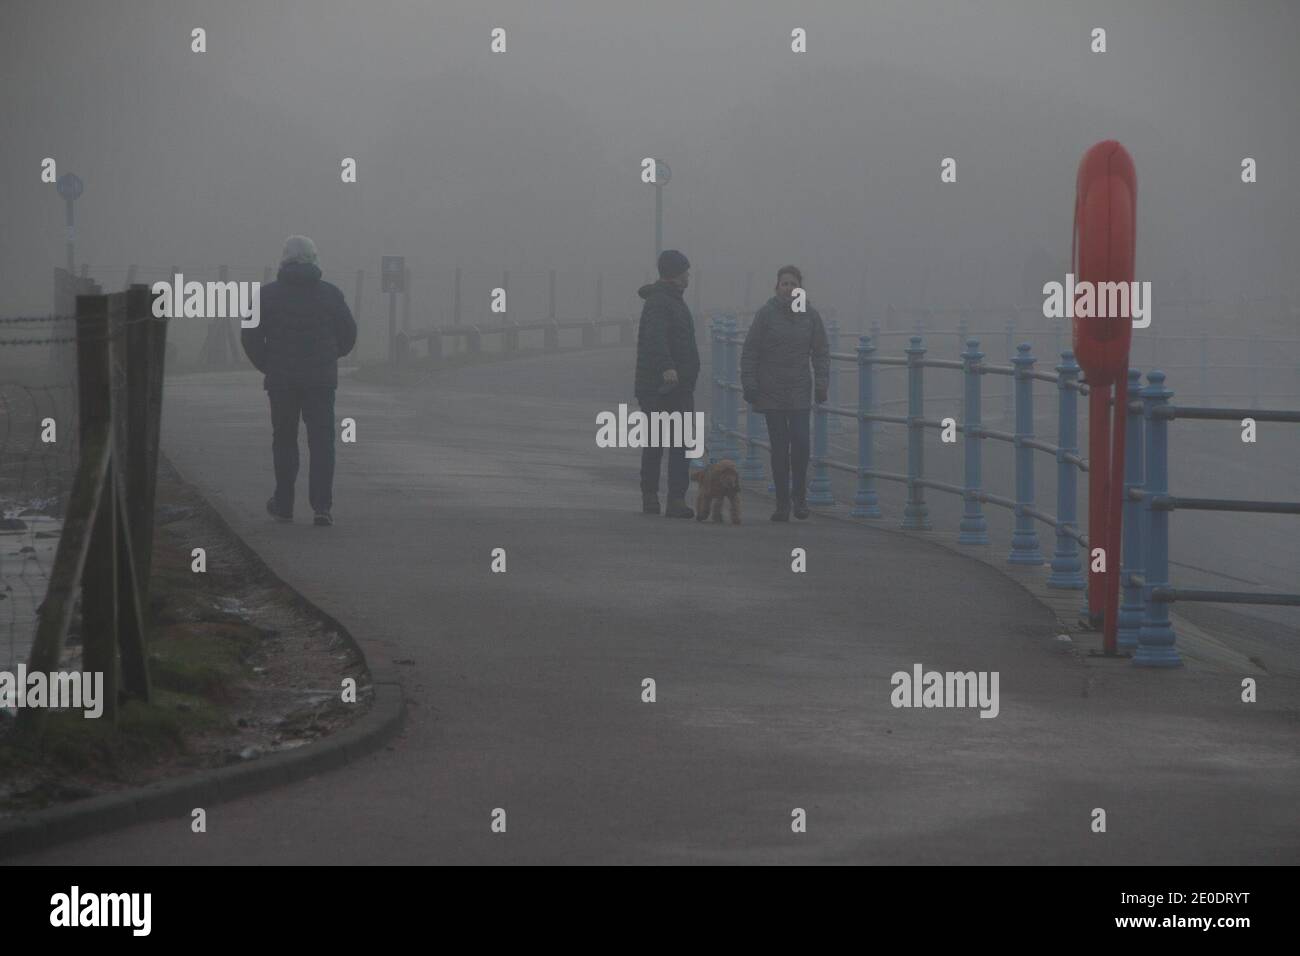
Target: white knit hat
(299,249)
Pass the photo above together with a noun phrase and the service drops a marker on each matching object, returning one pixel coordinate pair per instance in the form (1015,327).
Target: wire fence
(38,458)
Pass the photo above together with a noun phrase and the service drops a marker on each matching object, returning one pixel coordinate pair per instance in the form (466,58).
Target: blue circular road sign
(69,186)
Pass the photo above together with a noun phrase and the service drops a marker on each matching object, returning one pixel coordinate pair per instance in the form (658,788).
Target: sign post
(70,188)
(392,272)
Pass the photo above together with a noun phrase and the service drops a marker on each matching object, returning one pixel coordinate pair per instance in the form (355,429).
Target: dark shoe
(801,509)
(323,520)
(782,512)
(649,504)
(274,511)
(677,509)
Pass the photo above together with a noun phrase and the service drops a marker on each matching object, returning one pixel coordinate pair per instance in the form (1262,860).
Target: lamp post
(662,175)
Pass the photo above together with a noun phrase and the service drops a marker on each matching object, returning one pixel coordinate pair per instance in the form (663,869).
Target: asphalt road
(773,688)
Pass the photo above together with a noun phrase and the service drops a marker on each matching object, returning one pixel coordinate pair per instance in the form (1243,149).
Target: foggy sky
(530,160)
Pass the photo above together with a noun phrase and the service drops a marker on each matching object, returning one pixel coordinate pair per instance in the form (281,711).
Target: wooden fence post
(143,348)
(99,575)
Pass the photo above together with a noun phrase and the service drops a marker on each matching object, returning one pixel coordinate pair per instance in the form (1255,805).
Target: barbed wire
(63,340)
(117,330)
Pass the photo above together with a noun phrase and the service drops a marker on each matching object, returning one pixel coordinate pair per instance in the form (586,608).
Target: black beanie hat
(672,264)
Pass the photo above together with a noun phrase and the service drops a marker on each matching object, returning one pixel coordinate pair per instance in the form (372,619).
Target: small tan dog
(719,480)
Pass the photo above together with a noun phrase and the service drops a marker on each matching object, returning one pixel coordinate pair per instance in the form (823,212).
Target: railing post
(455,304)
(731,443)
(916,515)
(819,485)
(1024,540)
(833,374)
(1254,357)
(866,503)
(717,409)
(1131,610)
(1156,637)
(1205,367)
(1067,571)
(974,527)
(751,468)
(551,337)
(1007,402)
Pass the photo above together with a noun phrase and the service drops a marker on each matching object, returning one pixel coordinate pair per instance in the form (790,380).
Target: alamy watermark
(76,908)
(208,300)
(946,689)
(73,690)
(653,430)
(1098,300)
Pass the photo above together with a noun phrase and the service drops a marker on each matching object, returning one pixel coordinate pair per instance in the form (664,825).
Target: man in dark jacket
(667,366)
(774,374)
(305,328)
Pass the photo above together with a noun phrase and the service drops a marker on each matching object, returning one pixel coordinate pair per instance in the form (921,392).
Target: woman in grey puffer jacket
(786,359)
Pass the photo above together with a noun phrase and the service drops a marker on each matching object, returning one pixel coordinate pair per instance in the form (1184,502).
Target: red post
(1098,479)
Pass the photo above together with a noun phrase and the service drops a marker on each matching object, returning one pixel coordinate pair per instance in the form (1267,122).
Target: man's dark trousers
(788,431)
(316,408)
(679,476)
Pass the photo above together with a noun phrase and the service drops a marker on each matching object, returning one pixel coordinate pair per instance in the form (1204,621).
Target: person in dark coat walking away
(667,367)
(785,359)
(305,328)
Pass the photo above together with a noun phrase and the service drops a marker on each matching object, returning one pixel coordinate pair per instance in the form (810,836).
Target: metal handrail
(1143,618)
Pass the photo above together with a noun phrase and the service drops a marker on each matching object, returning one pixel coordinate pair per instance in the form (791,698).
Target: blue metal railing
(1144,626)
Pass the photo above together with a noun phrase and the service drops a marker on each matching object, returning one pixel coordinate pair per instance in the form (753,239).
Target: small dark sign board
(393,273)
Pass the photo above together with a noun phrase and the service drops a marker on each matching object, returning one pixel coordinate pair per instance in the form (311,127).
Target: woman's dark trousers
(788,431)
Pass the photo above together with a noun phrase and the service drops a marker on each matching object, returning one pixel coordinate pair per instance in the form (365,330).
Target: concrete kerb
(178,797)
